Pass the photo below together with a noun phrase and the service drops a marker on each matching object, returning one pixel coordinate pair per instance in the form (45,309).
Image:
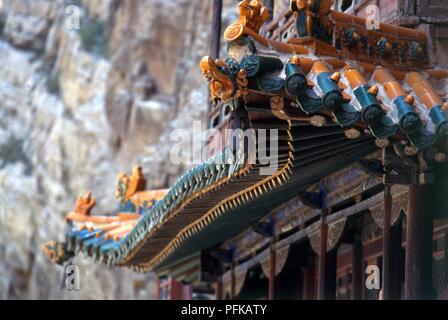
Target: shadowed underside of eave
(314,158)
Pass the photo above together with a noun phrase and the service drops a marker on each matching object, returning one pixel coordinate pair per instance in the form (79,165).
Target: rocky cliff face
(80,103)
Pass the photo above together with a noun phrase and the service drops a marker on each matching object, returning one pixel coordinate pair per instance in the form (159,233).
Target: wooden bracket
(265,229)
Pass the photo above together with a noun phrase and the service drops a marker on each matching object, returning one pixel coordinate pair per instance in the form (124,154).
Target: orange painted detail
(137,181)
(295,59)
(234,31)
(392,30)
(110,226)
(121,217)
(319,67)
(391,86)
(237,30)
(84,204)
(76,217)
(355,78)
(121,231)
(373,90)
(336,76)
(221,85)
(423,89)
(317,46)
(127,187)
(128,216)
(253,14)
(437,73)
(335,63)
(306,64)
(342,85)
(346,96)
(148,197)
(409,99)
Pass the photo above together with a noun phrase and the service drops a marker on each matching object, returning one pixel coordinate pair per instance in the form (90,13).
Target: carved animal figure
(85,204)
(312,16)
(253,14)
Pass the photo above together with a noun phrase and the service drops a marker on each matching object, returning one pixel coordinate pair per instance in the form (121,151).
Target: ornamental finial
(220,84)
(308,12)
(84,204)
(128,186)
(252,16)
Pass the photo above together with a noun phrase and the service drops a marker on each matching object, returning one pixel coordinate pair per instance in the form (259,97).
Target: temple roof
(335,90)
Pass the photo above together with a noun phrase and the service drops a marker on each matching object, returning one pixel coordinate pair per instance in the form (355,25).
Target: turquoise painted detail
(346,115)
(332,97)
(385,128)
(409,120)
(422,139)
(371,109)
(440,120)
(295,82)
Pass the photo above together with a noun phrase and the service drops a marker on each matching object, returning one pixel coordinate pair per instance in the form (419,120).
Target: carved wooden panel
(281,256)
(226,283)
(334,233)
(314,238)
(240,278)
(399,204)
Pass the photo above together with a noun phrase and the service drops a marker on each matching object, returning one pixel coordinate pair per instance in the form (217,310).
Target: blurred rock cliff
(80,105)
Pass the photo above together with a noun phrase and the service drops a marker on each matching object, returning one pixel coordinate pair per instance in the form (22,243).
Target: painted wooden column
(308,284)
(215,41)
(348,293)
(330,274)
(232,282)
(215,37)
(158,296)
(386,276)
(419,239)
(357,266)
(322,255)
(219,289)
(396,261)
(271,288)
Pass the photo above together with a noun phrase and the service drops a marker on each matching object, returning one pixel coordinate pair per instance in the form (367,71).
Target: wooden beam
(219,289)
(386,242)
(215,38)
(419,239)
